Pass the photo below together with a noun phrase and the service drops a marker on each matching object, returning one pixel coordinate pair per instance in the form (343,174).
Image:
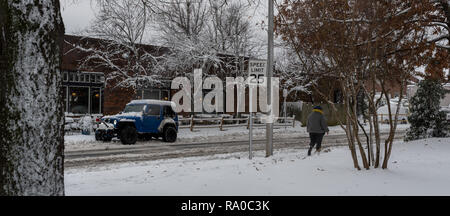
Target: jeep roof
(156,102)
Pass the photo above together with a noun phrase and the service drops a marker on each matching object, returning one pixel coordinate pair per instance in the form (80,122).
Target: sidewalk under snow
(416,168)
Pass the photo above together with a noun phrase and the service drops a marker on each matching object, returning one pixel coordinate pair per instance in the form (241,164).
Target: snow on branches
(121,25)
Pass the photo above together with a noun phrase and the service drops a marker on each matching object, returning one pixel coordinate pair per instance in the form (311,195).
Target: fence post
(293,121)
(248,123)
(192,123)
(221,124)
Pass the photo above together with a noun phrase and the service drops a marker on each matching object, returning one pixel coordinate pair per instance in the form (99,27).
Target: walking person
(316,127)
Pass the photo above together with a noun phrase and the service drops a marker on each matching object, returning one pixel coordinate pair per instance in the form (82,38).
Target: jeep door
(152,119)
(169,113)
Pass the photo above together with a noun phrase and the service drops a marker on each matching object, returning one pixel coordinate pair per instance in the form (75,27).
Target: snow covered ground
(82,142)
(416,168)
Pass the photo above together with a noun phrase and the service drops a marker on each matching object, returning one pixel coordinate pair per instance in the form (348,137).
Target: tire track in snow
(160,150)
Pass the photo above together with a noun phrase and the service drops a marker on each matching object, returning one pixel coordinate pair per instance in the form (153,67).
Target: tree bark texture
(31,120)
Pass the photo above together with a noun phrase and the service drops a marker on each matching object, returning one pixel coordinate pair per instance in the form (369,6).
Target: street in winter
(417,169)
(224,98)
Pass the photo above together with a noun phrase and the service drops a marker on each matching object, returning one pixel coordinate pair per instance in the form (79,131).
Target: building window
(81,76)
(83,92)
(98,79)
(151,94)
(65,77)
(64,96)
(79,100)
(85,78)
(164,95)
(96,98)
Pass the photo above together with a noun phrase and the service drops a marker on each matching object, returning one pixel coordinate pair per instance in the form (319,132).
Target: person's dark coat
(317,123)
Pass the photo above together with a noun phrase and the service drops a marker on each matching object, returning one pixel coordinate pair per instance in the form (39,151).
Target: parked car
(446,110)
(144,119)
(383,113)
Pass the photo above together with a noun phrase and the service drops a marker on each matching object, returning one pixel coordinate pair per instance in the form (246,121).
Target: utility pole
(250,134)
(269,124)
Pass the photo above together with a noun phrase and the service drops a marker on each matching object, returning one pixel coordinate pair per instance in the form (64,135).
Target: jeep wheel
(128,135)
(169,134)
(98,136)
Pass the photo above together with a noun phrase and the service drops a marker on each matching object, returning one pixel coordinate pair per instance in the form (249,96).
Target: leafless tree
(231,32)
(203,33)
(122,24)
(293,74)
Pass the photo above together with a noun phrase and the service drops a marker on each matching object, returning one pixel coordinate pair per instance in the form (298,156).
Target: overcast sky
(77,16)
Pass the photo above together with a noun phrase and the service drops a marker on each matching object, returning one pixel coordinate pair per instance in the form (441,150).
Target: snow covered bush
(427,120)
(86,124)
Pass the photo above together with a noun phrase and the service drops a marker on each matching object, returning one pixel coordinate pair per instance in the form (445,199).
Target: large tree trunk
(31,120)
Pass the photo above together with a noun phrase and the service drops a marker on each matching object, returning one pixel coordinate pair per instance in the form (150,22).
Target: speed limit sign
(257,70)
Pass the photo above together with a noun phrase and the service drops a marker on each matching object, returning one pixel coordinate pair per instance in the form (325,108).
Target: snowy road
(156,150)
(416,168)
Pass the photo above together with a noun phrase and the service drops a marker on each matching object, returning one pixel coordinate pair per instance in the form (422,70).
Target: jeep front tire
(98,136)
(128,135)
(169,134)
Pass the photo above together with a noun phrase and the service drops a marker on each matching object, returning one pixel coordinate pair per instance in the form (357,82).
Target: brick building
(86,91)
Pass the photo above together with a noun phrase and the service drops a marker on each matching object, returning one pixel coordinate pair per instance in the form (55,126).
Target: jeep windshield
(134,108)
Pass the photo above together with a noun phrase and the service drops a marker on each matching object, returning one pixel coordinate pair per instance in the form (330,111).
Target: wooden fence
(402,118)
(223,122)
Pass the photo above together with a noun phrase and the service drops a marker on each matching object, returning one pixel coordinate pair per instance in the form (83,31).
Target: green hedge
(332,117)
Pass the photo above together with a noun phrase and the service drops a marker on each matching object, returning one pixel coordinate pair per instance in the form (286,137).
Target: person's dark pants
(316,140)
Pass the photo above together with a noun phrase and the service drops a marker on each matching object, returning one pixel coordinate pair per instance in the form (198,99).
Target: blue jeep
(144,119)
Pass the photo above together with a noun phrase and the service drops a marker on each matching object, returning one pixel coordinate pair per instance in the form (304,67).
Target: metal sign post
(257,70)
(250,154)
(269,125)
(285,94)
(252,86)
